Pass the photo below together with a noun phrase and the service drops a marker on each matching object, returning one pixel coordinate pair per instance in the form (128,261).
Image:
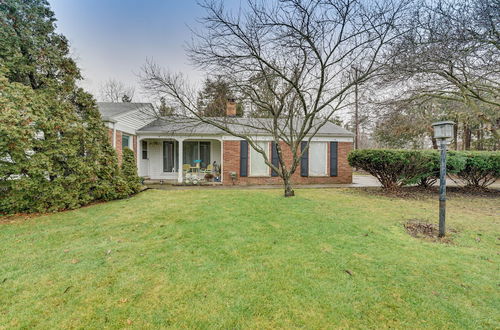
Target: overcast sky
(113,38)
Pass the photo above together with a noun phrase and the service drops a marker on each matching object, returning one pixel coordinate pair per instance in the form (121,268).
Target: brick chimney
(231,108)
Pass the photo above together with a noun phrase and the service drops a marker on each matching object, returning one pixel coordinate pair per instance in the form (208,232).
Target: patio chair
(208,170)
(185,168)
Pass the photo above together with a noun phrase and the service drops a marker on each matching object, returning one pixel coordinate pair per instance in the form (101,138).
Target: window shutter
(333,158)
(304,160)
(274,158)
(243,158)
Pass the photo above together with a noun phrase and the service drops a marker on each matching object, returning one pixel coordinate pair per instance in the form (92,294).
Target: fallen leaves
(422,229)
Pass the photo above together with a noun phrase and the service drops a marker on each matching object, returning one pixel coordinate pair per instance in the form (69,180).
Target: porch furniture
(208,170)
(185,168)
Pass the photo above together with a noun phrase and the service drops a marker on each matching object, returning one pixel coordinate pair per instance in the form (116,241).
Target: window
(197,151)
(257,165)
(204,154)
(317,158)
(125,141)
(169,159)
(144,149)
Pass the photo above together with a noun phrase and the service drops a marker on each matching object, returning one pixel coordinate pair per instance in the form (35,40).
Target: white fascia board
(178,137)
(315,139)
(161,135)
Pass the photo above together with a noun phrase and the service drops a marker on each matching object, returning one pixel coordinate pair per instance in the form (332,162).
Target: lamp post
(443,132)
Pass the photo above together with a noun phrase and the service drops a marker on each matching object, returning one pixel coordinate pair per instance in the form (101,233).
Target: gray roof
(258,126)
(109,110)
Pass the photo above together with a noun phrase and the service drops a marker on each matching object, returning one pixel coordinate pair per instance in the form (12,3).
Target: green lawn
(251,258)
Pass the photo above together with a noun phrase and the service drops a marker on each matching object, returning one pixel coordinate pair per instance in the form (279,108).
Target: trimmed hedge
(396,168)
(481,169)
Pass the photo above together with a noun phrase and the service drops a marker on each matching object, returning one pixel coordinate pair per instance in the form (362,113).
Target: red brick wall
(119,147)
(231,163)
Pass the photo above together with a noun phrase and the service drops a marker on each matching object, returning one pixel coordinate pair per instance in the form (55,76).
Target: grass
(251,259)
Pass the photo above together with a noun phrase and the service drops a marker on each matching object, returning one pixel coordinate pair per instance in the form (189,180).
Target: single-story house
(171,149)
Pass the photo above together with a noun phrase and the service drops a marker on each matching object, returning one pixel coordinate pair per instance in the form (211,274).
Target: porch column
(180,155)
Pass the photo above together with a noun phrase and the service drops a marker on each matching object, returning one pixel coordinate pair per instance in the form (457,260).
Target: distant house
(175,150)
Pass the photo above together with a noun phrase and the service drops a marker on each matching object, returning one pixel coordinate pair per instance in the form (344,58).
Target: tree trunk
(467,137)
(434,143)
(288,188)
(455,134)
(479,137)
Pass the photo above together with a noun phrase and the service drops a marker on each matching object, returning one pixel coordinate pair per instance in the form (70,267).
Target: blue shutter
(274,158)
(304,160)
(333,158)
(243,158)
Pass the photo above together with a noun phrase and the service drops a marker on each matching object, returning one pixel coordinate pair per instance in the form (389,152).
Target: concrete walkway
(358,181)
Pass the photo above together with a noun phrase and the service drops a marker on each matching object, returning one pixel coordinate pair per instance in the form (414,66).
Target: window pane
(125,141)
(144,149)
(190,152)
(257,165)
(168,156)
(317,158)
(204,154)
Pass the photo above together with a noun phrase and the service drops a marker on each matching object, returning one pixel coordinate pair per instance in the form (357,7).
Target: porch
(180,160)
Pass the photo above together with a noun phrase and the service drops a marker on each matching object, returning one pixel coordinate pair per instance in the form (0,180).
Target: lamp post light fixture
(443,133)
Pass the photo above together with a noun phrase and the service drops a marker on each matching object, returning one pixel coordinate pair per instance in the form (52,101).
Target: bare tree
(291,59)
(452,53)
(116,91)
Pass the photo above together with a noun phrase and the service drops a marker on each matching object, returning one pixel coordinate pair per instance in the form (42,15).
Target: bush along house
(174,150)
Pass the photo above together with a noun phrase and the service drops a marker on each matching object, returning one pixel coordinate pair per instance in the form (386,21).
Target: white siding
(134,120)
(215,152)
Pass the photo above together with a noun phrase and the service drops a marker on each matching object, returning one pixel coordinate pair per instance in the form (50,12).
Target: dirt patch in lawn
(428,231)
(417,192)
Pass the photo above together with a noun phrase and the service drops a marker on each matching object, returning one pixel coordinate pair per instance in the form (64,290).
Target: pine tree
(129,171)
(54,151)
(213,98)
